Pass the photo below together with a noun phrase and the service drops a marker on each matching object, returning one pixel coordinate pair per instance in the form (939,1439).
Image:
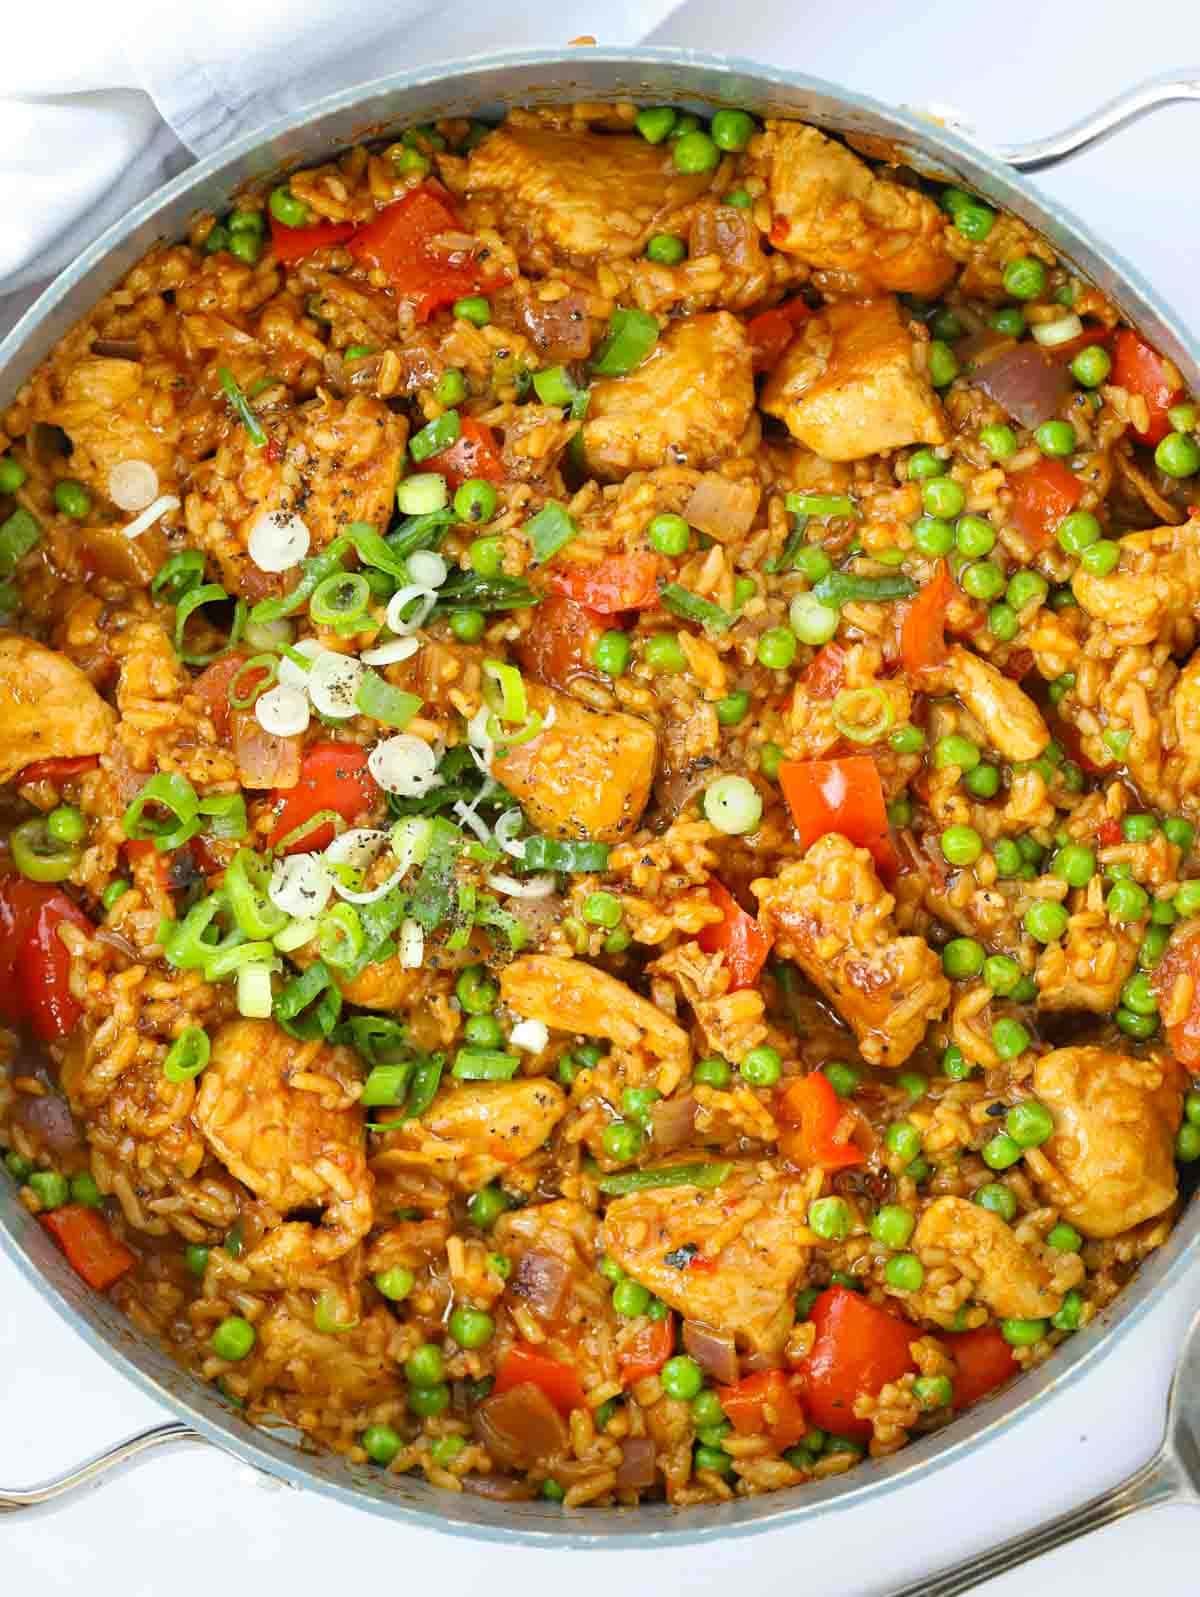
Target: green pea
(893,1225)
(829,1218)
(941,363)
(740,199)
(983,580)
(666,248)
(999,440)
(1055,438)
(381,1444)
(72,498)
(1127,901)
(602,909)
(902,1139)
(425,1366)
(669,534)
(905,1272)
(622,1140)
(813,563)
(475,502)
(733,709)
(1074,864)
(770,758)
(696,152)
(655,123)
(395,1284)
(955,1064)
(943,497)
(1162,912)
(974,536)
(1009,320)
(611,653)
(1100,558)
(1024,587)
(955,750)
(974,220)
(1003,623)
(712,1072)
(732,130)
(1001,974)
(471,1328)
(923,464)
(1029,1122)
(933,1392)
(761,1067)
(1184,418)
(1187,899)
(630,1298)
(1022,1333)
(1025,278)
(1153,946)
(1180,832)
(998,1199)
(85,1191)
(962,958)
(245,247)
(1077,531)
(637,1103)
(427,1402)
(983,781)
(66,825)
(681,1378)
(706,1409)
(663,654)
(1064,1238)
(234,1339)
(486,556)
(933,537)
(1178,455)
(446,1449)
(286,208)
(1091,366)
(195,1257)
(51,1188)
(906,739)
(1010,1039)
(1187,1143)
(1046,921)
(1138,1026)
(475,991)
(473,308)
(713,1458)
(777,648)
(1007,856)
(12,475)
(947,325)
(486,1206)
(843,1078)
(1070,1316)
(467,625)
(961,845)
(451,388)
(1001,1151)
(900,811)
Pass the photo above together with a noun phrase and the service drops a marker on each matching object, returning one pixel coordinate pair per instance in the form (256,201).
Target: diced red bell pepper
(474,453)
(1181,960)
(524,1364)
(619,582)
(292,244)
(1042,495)
(1142,371)
(765,1403)
(738,936)
(843,796)
(647,1350)
(770,332)
(822,678)
(35,967)
(984,1360)
(91,1249)
(402,241)
(212,688)
(57,771)
(858,1350)
(923,630)
(557,648)
(333,776)
(810,1104)
(1108,833)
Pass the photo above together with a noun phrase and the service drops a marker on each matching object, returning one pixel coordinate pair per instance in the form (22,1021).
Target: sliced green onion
(225,961)
(554,854)
(295,934)
(512,737)
(384,703)
(187,1055)
(194,599)
(18,535)
(309,1006)
(340,937)
(705,1176)
(821,505)
(436,436)
(176,795)
(288,841)
(504,691)
(178,575)
(862,714)
(223,815)
(839,588)
(426,1079)
(254,428)
(484,1064)
(555,386)
(38,856)
(314,571)
(186,944)
(340,600)
(550,530)
(247,879)
(693,608)
(386,1085)
(631,335)
(258,662)
(325,1315)
(422,494)
(254,995)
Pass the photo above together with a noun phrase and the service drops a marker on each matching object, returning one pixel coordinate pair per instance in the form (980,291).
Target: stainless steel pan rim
(478,85)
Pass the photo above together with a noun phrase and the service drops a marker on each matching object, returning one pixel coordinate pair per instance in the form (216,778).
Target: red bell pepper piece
(770,332)
(843,796)
(333,776)
(474,453)
(402,241)
(212,687)
(822,678)
(1142,371)
(35,967)
(923,630)
(91,1249)
(858,1350)
(765,1403)
(523,1364)
(811,1105)
(1108,833)
(557,648)
(984,1360)
(738,936)
(292,244)
(619,582)
(1042,495)
(647,1350)
(1182,959)
(57,771)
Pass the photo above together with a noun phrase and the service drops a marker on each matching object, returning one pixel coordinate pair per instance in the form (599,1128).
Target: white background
(195,1523)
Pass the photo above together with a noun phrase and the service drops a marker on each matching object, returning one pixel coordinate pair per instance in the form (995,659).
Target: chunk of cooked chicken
(1155,590)
(358,1365)
(1112,1153)
(283,1117)
(571,995)
(588,775)
(48,708)
(556,187)
(1012,1281)
(747,1232)
(112,412)
(482,1128)
(331,462)
(687,404)
(1087,968)
(1011,719)
(833,916)
(830,209)
(854,384)
(551,1246)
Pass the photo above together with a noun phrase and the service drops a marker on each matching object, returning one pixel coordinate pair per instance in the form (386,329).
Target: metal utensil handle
(96,1471)
(1113,115)
(1162,1480)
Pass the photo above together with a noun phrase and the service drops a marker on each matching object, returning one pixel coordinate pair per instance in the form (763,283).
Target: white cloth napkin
(101,102)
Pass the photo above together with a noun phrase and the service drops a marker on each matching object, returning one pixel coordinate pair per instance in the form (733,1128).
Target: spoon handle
(1162,1480)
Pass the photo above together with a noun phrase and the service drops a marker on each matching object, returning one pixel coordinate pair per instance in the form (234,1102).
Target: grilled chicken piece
(746,1233)
(1087,968)
(981,1246)
(854,384)
(571,995)
(332,462)
(556,187)
(831,210)
(357,1365)
(296,1147)
(487,1127)
(48,708)
(588,775)
(687,404)
(1112,1152)
(833,916)
(1154,593)
(112,411)
(1011,719)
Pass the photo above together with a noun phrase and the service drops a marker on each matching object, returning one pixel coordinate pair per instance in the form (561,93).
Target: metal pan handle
(1041,154)
(96,1471)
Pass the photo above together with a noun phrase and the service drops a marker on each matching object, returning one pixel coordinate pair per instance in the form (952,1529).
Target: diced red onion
(278,541)
(636,1469)
(133,484)
(714,1351)
(333,684)
(541,1280)
(404,764)
(1026,382)
(673,1122)
(282,710)
(724,510)
(520,1427)
(505,832)
(151,514)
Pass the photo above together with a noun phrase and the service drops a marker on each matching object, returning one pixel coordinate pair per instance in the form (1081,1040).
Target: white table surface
(194,1523)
